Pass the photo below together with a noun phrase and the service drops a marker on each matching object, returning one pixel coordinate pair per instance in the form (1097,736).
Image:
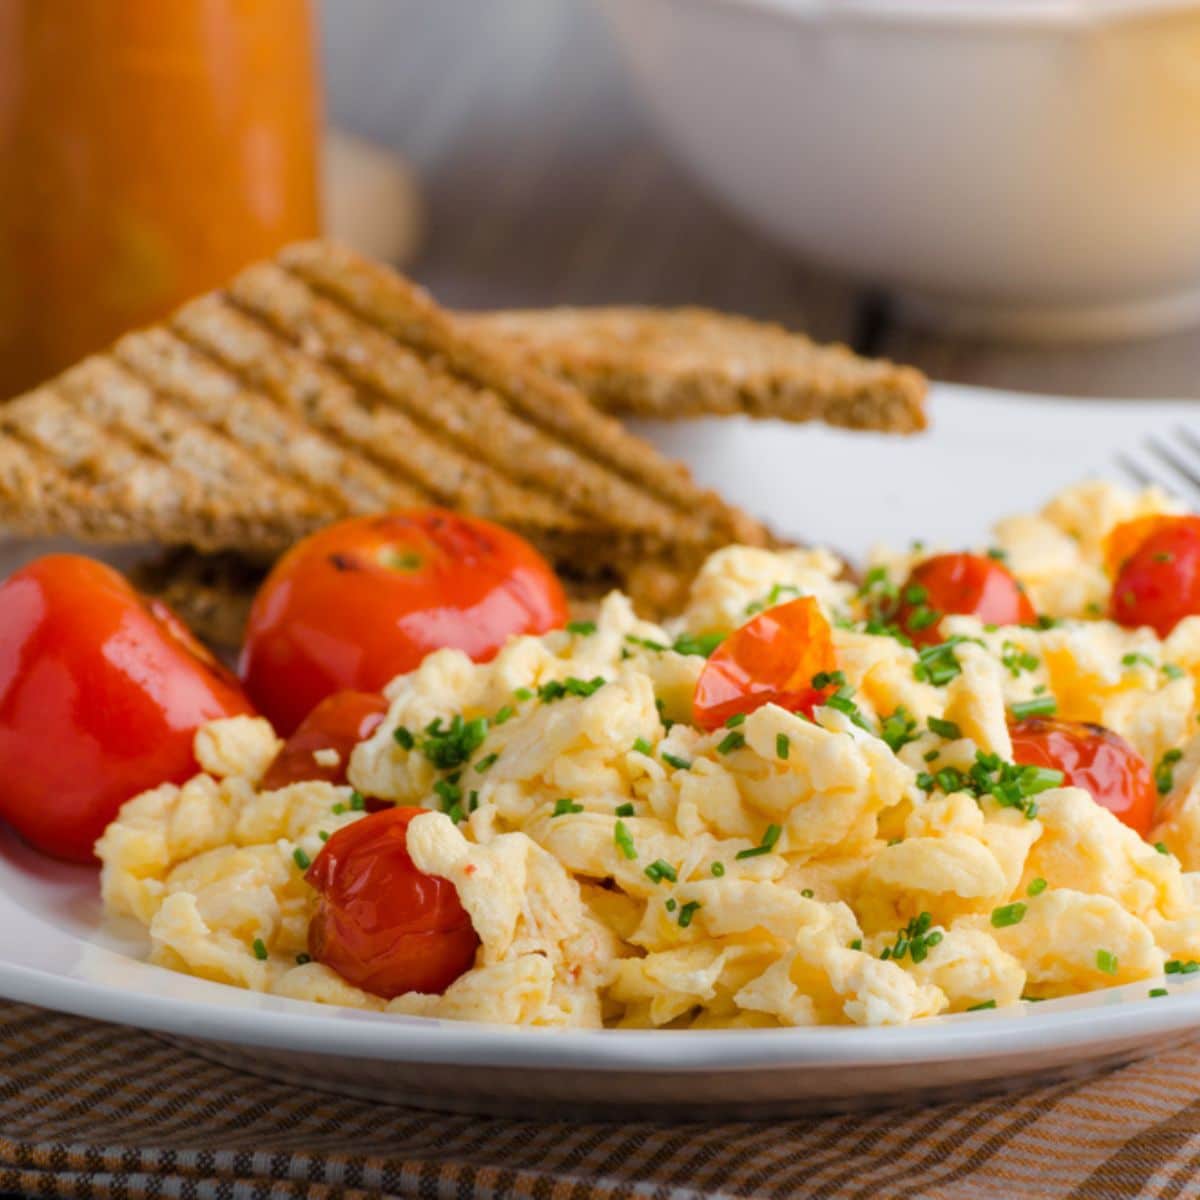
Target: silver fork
(1170,461)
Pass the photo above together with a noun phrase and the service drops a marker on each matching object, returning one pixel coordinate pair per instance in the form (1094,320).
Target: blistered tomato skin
(338,723)
(365,600)
(1158,579)
(960,584)
(101,694)
(772,659)
(1093,758)
(380,923)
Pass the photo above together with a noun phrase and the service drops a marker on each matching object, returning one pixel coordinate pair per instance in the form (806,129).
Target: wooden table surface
(545,185)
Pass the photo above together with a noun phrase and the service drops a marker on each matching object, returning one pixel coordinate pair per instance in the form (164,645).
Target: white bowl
(1018,167)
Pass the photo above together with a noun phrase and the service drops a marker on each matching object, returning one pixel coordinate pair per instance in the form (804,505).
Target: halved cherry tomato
(1093,758)
(772,659)
(338,723)
(967,584)
(380,923)
(101,694)
(367,599)
(1158,581)
(1124,539)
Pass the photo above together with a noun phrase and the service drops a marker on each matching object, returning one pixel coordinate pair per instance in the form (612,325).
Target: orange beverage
(148,148)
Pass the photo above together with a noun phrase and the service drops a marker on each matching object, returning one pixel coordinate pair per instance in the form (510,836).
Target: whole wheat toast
(669,363)
(321,385)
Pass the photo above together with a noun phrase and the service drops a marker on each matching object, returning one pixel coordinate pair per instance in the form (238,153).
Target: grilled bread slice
(321,385)
(669,363)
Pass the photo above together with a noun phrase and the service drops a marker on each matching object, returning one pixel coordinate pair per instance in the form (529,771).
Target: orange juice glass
(148,148)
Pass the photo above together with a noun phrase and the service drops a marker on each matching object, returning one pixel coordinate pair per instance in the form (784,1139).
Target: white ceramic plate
(990,454)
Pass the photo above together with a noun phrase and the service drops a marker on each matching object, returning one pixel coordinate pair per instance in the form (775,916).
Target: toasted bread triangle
(321,385)
(670,363)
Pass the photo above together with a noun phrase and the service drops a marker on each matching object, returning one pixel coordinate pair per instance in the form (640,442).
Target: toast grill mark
(692,362)
(257,415)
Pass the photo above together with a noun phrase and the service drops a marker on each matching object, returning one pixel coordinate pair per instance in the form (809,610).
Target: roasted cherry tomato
(967,584)
(338,723)
(772,659)
(367,599)
(1093,758)
(101,694)
(380,923)
(1158,579)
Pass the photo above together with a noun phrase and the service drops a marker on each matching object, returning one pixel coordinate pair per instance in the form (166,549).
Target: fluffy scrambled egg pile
(623,868)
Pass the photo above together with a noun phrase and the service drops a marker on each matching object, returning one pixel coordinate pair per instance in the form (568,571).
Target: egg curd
(623,868)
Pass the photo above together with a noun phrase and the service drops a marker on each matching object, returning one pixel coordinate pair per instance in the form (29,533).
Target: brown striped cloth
(103,1111)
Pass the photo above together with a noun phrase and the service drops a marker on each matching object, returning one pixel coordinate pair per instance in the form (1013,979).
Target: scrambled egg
(621,867)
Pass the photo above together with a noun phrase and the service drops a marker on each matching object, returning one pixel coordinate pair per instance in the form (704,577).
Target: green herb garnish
(1008,914)
(659,870)
(769,840)
(624,840)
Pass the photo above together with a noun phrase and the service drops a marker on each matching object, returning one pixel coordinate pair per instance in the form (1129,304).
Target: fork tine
(1180,466)
(1134,472)
(1189,439)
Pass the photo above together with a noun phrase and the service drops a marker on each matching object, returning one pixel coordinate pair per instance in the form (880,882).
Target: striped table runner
(98,1110)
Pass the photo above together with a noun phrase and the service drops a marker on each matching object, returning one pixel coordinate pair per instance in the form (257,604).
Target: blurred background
(529,152)
(544,182)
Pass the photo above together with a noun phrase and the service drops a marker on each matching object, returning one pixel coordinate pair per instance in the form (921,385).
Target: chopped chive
(807,893)
(983,1004)
(1008,914)
(730,742)
(770,838)
(1177,967)
(828,679)
(565,805)
(671,905)
(571,686)
(505,714)
(358,802)
(660,869)
(624,840)
(702,644)
(899,729)
(686,913)
(736,720)
(1036,887)
(856,944)
(1039,706)
(783,745)
(301,859)
(718,869)
(582,628)
(323,834)
(944,729)
(404,737)
(1106,961)
(1164,773)
(643,747)
(1134,659)
(645,643)
(625,810)
(260,950)
(485,762)
(1155,993)
(673,760)
(338,809)
(523,693)
(1162,847)
(302,959)
(931,756)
